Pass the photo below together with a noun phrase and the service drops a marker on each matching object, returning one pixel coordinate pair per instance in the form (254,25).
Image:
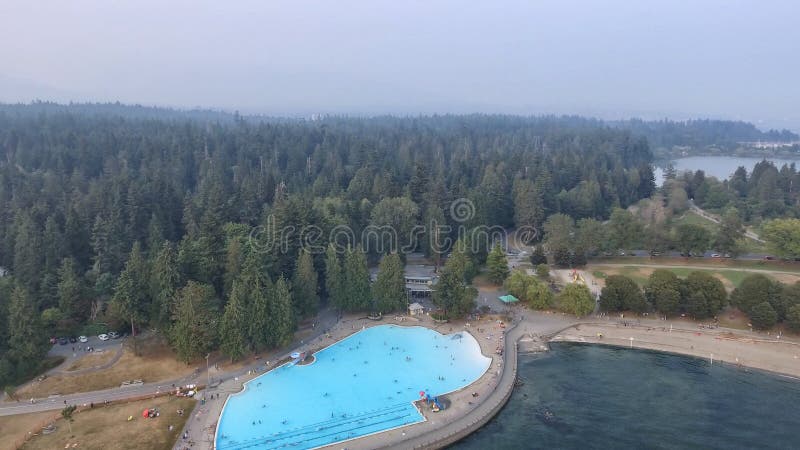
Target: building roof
(415,307)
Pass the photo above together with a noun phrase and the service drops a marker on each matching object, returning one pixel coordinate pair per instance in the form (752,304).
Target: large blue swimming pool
(360,385)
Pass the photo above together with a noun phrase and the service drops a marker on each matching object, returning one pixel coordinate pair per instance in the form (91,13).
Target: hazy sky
(676,58)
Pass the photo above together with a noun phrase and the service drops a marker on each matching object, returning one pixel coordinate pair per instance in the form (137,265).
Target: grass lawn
(108,428)
(156,362)
(722,263)
(751,246)
(748,245)
(694,219)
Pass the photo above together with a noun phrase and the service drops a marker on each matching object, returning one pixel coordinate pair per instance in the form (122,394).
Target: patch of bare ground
(93,359)
(13,429)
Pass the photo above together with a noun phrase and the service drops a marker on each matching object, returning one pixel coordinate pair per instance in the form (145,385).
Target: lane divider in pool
(298,436)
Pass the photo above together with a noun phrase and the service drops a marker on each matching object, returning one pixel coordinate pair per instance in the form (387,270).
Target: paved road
(325,320)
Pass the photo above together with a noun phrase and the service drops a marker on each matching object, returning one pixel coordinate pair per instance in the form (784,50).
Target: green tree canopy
(452,294)
(517,283)
(663,290)
(497,265)
(334,278)
(783,237)
(576,299)
(26,342)
(706,295)
(389,289)
(194,332)
(130,302)
(71,291)
(538,256)
(356,286)
(790,296)
(281,322)
(233,328)
(165,280)
(305,286)
(622,293)
(543,271)
(559,231)
(762,316)
(753,290)
(730,233)
(398,215)
(539,296)
(692,238)
(624,229)
(793,318)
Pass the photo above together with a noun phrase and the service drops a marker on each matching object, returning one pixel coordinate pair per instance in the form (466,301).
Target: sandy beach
(745,349)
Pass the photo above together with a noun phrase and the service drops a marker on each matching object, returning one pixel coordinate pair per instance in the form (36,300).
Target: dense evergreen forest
(767,192)
(140,217)
(701,133)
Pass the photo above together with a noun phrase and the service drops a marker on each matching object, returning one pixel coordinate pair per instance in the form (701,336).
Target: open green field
(731,278)
(709,263)
(689,217)
(692,218)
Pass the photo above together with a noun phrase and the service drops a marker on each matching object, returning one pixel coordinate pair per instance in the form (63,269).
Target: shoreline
(775,356)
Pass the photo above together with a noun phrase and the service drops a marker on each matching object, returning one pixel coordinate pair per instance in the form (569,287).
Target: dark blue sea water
(595,397)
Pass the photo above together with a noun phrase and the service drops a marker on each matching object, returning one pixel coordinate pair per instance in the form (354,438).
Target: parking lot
(73,351)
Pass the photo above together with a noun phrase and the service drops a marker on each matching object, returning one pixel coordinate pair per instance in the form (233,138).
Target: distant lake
(720,167)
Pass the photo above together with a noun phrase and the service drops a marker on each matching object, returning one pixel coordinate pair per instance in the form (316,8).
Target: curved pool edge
(465,425)
(413,402)
(475,342)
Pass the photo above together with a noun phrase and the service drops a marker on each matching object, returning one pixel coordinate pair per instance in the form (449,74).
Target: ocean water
(581,396)
(358,386)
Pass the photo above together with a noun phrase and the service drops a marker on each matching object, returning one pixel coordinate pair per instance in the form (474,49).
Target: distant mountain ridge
(695,133)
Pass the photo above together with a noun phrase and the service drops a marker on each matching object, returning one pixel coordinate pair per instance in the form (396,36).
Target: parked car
(63,340)
(716,255)
(53,339)
(83,339)
(73,339)
(102,337)
(113,335)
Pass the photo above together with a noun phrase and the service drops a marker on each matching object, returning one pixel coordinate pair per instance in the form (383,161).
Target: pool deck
(465,414)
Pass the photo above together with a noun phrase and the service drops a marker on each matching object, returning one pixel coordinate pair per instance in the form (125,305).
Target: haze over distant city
(610,59)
